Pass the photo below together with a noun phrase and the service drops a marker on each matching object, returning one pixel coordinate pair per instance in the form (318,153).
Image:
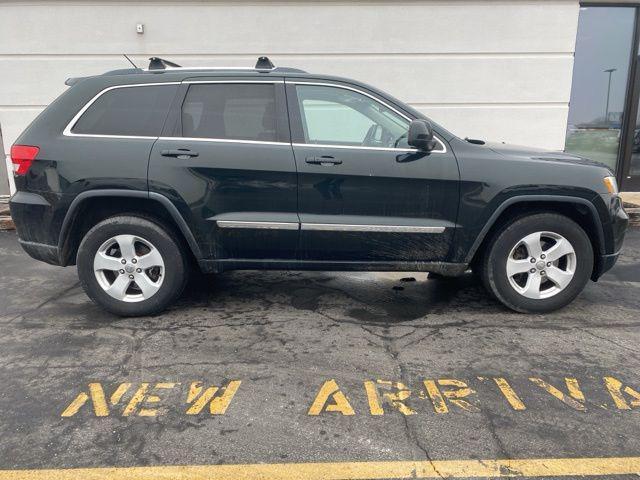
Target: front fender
(474,235)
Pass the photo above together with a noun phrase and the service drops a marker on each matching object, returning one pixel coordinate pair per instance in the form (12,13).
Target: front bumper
(604,263)
(619,222)
(614,231)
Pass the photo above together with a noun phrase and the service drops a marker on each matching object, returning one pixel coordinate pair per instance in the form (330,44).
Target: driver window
(335,116)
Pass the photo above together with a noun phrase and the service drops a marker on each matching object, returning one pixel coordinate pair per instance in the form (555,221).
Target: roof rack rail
(263,65)
(157,63)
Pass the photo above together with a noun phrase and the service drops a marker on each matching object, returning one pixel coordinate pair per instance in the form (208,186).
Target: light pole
(606,112)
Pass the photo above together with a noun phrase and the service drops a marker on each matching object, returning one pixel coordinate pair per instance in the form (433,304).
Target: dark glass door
(631,166)
(600,83)
(631,180)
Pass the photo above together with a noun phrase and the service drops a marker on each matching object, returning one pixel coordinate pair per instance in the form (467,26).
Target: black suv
(139,175)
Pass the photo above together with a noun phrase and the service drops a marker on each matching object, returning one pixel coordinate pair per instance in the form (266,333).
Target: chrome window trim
(98,135)
(326,145)
(337,85)
(258,225)
(68,133)
(225,140)
(167,68)
(342,227)
(234,81)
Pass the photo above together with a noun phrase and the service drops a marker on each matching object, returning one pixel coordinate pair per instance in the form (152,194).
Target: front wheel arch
(578,209)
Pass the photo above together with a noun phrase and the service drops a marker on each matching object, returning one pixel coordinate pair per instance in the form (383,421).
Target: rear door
(364,194)
(225,160)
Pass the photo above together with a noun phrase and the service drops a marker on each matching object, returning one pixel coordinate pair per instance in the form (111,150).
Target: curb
(631,203)
(6,223)
(634,216)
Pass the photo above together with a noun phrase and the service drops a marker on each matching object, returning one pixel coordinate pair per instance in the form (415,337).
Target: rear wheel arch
(90,208)
(132,265)
(578,209)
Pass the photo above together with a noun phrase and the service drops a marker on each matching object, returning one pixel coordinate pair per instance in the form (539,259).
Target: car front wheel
(538,263)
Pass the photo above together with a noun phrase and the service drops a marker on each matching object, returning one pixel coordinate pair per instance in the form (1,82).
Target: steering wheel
(404,135)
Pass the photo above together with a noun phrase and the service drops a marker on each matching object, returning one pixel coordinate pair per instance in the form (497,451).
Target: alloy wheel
(541,265)
(129,268)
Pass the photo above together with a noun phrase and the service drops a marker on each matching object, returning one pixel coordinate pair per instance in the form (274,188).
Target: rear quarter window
(127,111)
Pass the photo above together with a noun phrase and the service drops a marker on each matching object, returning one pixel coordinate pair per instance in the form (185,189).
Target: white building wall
(495,69)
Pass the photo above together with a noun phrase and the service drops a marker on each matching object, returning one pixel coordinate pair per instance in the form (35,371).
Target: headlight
(611,185)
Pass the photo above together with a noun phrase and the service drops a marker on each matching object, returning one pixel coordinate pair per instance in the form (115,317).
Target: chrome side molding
(259,225)
(328,227)
(341,227)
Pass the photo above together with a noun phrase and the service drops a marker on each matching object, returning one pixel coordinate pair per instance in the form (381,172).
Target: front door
(226,162)
(364,194)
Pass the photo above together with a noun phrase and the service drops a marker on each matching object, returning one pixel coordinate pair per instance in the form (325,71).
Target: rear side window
(132,111)
(230,111)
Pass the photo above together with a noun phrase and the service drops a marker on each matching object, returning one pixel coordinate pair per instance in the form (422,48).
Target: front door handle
(323,160)
(181,153)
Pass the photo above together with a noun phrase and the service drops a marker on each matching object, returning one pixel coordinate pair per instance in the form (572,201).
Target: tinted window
(334,115)
(230,111)
(137,111)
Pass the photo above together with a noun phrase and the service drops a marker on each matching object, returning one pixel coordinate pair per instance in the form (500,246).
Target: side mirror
(420,135)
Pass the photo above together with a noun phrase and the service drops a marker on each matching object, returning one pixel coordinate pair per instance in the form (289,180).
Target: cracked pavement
(283,334)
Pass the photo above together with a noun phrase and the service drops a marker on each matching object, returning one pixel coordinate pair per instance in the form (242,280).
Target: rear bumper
(33,217)
(41,251)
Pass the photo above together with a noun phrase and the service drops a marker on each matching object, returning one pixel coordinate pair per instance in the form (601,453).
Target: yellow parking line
(540,467)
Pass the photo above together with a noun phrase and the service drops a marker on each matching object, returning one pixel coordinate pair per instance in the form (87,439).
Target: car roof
(162,70)
(190,72)
(124,76)
(170,72)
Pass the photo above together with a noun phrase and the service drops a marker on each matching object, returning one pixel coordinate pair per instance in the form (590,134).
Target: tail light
(22,156)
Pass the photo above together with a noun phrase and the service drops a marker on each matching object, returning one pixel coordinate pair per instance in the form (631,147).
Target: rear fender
(71,217)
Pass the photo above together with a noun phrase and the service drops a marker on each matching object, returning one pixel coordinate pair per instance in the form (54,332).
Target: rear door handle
(181,153)
(323,160)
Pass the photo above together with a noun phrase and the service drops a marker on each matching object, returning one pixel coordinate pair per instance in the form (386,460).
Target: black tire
(175,264)
(493,270)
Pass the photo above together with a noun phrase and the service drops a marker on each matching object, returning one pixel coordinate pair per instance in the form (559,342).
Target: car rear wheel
(538,263)
(131,266)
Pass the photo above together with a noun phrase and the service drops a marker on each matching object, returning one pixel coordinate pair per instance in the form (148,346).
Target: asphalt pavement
(283,368)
